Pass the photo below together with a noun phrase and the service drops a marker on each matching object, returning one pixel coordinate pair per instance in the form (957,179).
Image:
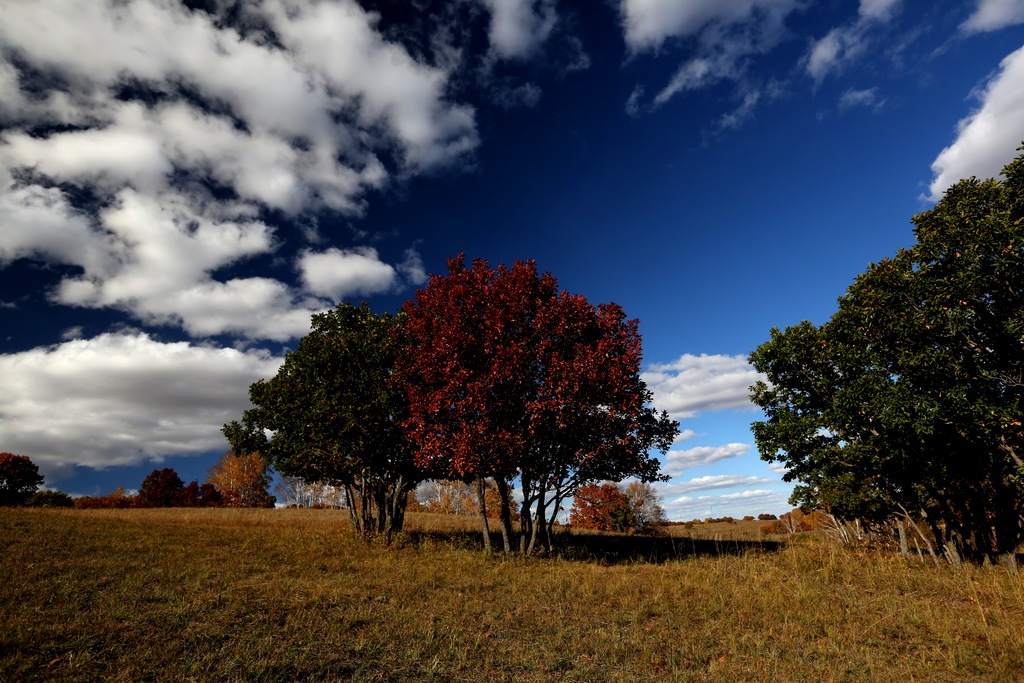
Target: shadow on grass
(607,548)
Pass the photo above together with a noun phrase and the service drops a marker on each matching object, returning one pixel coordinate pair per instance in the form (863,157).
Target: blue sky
(183,184)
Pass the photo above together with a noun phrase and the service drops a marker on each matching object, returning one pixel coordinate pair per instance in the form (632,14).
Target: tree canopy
(242,480)
(333,417)
(909,399)
(508,377)
(19,479)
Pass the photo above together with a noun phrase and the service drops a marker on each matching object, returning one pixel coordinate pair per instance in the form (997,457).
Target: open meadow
(285,595)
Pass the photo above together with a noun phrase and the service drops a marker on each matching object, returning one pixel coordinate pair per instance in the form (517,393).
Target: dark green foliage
(162,489)
(909,399)
(19,479)
(334,417)
(51,499)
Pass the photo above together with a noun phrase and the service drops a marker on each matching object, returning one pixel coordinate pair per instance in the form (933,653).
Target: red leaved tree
(507,377)
(614,507)
(600,506)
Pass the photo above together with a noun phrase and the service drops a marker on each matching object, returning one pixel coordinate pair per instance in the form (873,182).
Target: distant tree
(162,489)
(602,507)
(644,504)
(51,499)
(448,497)
(242,481)
(333,416)
(297,492)
(910,399)
(509,378)
(19,479)
(115,499)
(617,507)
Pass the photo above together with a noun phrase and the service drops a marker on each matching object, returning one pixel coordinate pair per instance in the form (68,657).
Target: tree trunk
(481,495)
(904,548)
(525,517)
(353,512)
(506,513)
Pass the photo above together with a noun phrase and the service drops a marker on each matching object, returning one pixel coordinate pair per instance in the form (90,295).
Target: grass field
(285,595)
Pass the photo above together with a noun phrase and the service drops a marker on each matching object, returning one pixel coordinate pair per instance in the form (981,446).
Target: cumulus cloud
(991,15)
(338,273)
(986,139)
(121,399)
(694,384)
(144,142)
(679,461)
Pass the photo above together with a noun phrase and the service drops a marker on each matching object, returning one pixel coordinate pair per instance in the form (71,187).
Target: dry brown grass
(175,595)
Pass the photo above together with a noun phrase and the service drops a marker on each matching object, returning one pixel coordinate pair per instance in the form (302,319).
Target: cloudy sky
(182,184)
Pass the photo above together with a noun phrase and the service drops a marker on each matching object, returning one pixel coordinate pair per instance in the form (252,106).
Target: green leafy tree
(909,399)
(19,479)
(334,418)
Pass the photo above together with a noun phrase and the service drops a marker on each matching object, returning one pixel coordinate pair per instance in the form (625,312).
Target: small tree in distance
(242,481)
(19,479)
(161,489)
(614,507)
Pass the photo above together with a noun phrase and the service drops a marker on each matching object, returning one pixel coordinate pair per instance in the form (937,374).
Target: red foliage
(115,499)
(600,506)
(508,377)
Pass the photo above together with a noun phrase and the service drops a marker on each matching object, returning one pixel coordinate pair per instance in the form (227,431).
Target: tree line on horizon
(235,481)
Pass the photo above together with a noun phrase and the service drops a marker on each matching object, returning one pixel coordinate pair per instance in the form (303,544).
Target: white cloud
(878,9)
(519,27)
(121,399)
(827,52)
(844,44)
(679,461)
(648,23)
(694,384)
(986,139)
(339,273)
(992,15)
(735,505)
(867,97)
(161,103)
(721,37)
(412,268)
(686,435)
(710,482)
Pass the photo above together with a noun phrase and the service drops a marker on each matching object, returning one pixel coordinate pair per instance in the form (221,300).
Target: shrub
(51,499)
